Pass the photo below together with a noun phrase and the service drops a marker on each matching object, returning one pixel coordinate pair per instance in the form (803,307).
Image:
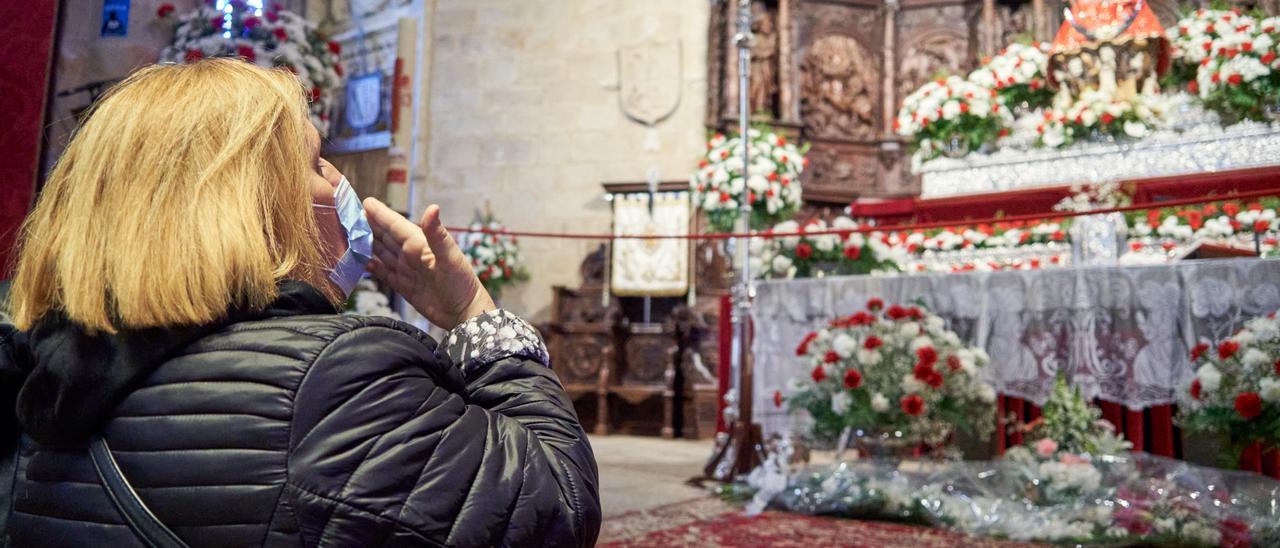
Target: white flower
(844,345)
(912,385)
(781,264)
(840,402)
(1135,129)
(869,357)
(909,330)
(986,393)
(1254,358)
(934,324)
(921,342)
(879,403)
(1210,377)
(787,227)
(1269,389)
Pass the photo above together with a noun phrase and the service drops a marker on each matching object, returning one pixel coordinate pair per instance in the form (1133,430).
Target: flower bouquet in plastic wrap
(1236,388)
(1075,483)
(894,371)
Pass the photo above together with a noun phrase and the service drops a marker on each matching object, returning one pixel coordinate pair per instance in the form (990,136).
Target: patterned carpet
(708,522)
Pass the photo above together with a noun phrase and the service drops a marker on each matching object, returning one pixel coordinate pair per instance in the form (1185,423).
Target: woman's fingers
(390,223)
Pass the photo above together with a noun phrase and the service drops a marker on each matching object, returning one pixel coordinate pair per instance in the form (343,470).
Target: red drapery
(26,41)
(1041,200)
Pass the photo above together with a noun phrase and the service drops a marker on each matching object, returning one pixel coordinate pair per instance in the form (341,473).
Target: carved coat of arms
(649,80)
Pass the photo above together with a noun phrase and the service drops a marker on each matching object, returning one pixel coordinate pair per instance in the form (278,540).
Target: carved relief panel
(839,90)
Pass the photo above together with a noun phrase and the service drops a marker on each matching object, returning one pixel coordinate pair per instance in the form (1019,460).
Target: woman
(177,292)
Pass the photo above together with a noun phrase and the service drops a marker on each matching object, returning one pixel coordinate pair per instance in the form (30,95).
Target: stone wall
(523,115)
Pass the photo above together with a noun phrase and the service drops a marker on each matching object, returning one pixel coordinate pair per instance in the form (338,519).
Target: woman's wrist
(480,304)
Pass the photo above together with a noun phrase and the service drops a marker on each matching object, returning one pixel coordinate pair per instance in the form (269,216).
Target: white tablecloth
(1122,334)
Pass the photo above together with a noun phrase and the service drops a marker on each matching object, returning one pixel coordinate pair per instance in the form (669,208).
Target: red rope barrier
(869,229)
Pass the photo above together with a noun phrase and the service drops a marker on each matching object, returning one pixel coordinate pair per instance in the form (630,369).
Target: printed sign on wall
(115,17)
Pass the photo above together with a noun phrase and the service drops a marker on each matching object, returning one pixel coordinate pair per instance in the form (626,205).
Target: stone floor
(642,472)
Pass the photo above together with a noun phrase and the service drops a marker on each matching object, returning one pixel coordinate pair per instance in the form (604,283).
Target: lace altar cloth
(1120,333)
(1200,147)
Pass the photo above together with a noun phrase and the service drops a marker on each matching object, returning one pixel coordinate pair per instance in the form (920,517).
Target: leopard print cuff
(493,336)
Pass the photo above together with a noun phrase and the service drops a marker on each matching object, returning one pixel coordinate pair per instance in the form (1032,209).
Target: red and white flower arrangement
(844,253)
(1231,223)
(495,257)
(952,116)
(1017,74)
(1236,386)
(1228,59)
(891,368)
(771,186)
(277,38)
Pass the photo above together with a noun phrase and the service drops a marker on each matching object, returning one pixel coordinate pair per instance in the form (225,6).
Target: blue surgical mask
(350,268)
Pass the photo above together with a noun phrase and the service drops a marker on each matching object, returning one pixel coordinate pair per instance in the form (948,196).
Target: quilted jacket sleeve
(395,443)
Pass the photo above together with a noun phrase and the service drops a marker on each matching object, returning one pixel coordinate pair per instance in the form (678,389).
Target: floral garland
(495,257)
(1232,223)
(819,255)
(1236,387)
(892,368)
(280,38)
(1099,114)
(952,116)
(772,187)
(1017,74)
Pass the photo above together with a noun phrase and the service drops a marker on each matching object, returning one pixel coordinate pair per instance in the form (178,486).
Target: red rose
(934,380)
(818,374)
(1261,225)
(777,398)
(1268,58)
(852,252)
(217,22)
(927,355)
(1278,367)
(896,312)
(953,362)
(912,405)
(1199,350)
(804,344)
(1228,349)
(1210,209)
(164,10)
(280,34)
(1107,118)
(852,379)
(1249,405)
(193,55)
(831,357)
(725,197)
(875,304)
(315,95)
(1193,87)
(915,313)
(246,53)
(273,16)
(1231,208)
(251,22)
(1195,388)
(335,48)
(804,250)
(1235,79)
(873,342)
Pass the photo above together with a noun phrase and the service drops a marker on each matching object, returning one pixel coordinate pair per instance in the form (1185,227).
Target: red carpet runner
(708,522)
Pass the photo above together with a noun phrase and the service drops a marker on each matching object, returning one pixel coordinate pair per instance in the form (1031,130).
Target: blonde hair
(185,193)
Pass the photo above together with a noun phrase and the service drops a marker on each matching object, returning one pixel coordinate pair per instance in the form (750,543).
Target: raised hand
(425,266)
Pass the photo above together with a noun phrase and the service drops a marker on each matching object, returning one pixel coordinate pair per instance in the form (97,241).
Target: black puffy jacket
(296,426)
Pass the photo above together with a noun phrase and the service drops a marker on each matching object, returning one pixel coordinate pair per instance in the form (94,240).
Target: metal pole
(742,289)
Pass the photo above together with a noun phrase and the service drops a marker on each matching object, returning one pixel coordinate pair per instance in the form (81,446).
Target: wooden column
(1040,20)
(889,103)
(988,42)
(788,106)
